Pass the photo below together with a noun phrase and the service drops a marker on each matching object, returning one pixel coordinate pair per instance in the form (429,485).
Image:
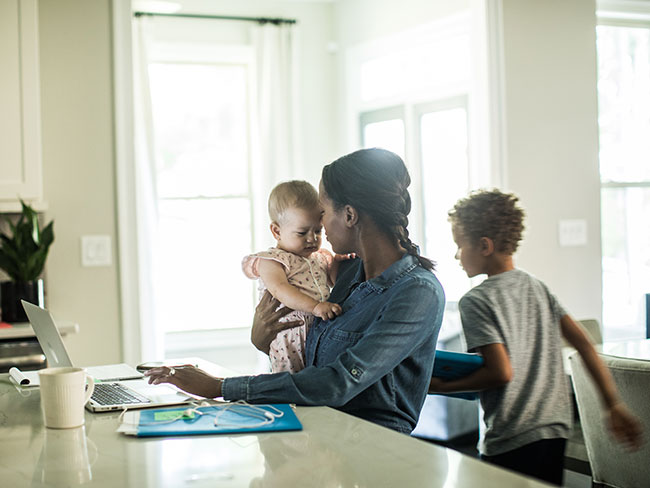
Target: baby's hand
(344,257)
(327,310)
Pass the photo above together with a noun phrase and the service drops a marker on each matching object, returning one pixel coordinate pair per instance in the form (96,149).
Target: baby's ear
(486,245)
(275,229)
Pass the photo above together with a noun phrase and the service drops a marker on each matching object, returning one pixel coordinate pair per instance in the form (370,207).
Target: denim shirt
(375,360)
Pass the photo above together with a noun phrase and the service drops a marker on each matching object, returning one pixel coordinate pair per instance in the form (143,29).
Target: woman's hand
(188,378)
(266,322)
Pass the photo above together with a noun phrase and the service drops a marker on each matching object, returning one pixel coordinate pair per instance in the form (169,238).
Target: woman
(374,360)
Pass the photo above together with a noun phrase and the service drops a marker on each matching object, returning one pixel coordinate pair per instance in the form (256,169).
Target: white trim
(132,350)
(496,80)
(625,184)
(31,100)
(623,10)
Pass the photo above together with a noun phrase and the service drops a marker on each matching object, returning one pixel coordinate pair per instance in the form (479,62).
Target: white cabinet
(20,135)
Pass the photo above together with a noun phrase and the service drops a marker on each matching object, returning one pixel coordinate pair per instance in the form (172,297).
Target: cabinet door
(20,140)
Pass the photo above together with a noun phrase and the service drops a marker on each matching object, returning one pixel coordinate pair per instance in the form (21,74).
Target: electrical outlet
(96,250)
(572,232)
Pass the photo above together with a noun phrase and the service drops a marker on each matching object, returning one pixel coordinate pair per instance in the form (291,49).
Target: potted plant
(23,252)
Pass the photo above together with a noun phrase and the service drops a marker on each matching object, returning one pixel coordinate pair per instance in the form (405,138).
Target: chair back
(611,464)
(592,328)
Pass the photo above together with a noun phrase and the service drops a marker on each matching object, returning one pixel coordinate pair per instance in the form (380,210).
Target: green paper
(171,415)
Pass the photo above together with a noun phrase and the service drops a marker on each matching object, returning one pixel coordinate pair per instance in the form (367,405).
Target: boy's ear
(486,246)
(275,230)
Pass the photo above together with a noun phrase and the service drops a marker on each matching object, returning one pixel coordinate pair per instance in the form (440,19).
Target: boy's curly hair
(493,214)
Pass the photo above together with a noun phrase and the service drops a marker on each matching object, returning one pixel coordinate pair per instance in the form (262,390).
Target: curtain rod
(261,20)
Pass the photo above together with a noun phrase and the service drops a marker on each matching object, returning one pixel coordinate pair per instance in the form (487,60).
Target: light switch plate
(96,250)
(572,232)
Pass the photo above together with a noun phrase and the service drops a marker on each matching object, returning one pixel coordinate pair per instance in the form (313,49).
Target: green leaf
(24,248)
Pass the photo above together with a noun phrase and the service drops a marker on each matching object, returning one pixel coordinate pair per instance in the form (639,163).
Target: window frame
(411,115)
(630,14)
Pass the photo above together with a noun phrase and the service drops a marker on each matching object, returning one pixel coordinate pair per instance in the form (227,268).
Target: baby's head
(296,217)
(487,214)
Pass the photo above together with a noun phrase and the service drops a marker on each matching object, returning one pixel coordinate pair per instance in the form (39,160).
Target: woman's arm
(410,319)
(188,378)
(266,326)
(495,372)
(621,422)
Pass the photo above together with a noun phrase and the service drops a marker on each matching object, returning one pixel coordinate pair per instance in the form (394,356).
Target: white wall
(551,114)
(78,170)
(360,21)
(78,147)
(317,68)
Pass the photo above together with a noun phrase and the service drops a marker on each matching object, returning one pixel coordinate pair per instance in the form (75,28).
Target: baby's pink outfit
(309,275)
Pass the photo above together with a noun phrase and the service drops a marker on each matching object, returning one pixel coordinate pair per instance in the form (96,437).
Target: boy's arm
(622,423)
(495,372)
(275,280)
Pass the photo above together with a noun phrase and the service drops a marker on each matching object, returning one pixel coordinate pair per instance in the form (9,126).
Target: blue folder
(237,420)
(450,365)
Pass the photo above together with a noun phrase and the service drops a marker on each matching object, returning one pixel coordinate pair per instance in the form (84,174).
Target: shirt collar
(390,275)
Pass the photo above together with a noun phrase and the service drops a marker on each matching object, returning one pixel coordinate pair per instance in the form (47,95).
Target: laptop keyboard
(116,394)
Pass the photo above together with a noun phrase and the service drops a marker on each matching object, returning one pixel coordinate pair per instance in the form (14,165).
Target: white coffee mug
(63,396)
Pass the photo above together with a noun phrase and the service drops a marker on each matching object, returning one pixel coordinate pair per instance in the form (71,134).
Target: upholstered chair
(611,465)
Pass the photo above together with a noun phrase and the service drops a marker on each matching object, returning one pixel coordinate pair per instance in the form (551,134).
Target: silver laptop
(117,386)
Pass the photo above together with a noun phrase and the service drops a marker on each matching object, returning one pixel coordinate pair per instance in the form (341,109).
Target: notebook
(231,419)
(117,386)
(450,365)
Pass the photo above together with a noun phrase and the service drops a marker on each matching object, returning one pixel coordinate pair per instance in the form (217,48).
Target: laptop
(117,386)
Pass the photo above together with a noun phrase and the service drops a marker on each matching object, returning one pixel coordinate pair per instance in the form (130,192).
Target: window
(440,174)
(201,112)
(418,94)
(445,179)
(624,124)
(204,203)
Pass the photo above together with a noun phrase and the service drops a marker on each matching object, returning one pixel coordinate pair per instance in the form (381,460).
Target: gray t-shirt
(517,310)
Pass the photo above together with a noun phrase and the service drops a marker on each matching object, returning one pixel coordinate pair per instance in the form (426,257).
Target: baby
(296,272)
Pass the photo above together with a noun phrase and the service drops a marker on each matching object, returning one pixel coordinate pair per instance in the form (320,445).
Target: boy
(516,324)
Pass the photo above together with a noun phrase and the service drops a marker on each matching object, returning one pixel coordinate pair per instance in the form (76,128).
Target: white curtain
(277,148)
(152,340)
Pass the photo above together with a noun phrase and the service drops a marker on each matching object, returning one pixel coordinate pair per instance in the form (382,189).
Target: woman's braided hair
(375,182)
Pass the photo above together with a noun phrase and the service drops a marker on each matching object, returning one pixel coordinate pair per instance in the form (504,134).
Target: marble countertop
(333,449)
